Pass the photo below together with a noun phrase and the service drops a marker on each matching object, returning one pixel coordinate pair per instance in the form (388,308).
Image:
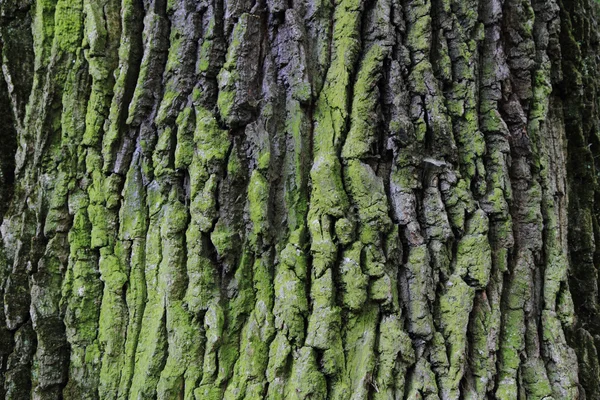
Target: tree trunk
(299,199)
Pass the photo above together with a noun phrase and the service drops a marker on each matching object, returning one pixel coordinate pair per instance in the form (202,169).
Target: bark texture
(307,199)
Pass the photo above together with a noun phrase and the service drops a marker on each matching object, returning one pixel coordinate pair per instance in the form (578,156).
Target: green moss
(112,194)
(102,60)
(437,226)
(474,255)
(324,322)
(306,381)
(136,301)
(43,30)
(362,136)
(344,231)
(492,122)
(520,286)
(496,199)
(513,328)
(484,321)
(459,203)
(126,51)
(419,32)
(166,328)
(455,306)
(443,65)
(138,106)
(239,357)
(296,193)
(471,147)
(422,383)
(234,164)
(302,92)
(248,380)
(418,86)
(208,392)
(112,273)
(79,235)
(161,158)
(293,257)
(384,290)
(322,247)
(291,304)
(565,308)
(328,195)
(239,307)
(205,50)
(226,99)
(81,291)
(95,28)
(102,226)
(169,98)
(212,143)
(264,160)
(456,107)
(214,323)
(360,346)
(367,193)
(374,261)
(203,208)
(112,322)
(82,318)
(176,218)
(222,238)
(555,273)
(438,357)
(331,109)
(181,368)
(258,202)
(542,87)
(535,380)
(420,128)
(354,282)
(553,336)
(179,352)
(419,314)
(234,101)
(405,177)
(511,346)
(133,214)
(184,151)
(152,349)
(202,274)
(396,354)
(324,325)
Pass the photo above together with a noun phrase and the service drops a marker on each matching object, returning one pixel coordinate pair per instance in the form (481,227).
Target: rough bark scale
(299,199)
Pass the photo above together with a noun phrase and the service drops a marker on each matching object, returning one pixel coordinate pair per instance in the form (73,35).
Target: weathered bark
(299,200)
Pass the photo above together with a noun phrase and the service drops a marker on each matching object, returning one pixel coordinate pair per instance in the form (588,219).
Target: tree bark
(355,199)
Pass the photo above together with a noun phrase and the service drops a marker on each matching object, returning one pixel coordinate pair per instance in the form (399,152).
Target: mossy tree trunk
(304,199)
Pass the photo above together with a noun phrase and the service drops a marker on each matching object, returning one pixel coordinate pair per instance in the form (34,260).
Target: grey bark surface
(349,199)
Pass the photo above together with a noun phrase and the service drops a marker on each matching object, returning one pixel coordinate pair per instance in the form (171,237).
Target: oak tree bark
(308,199)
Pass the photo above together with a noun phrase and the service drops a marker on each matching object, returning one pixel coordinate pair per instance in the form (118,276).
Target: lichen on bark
(299,200)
